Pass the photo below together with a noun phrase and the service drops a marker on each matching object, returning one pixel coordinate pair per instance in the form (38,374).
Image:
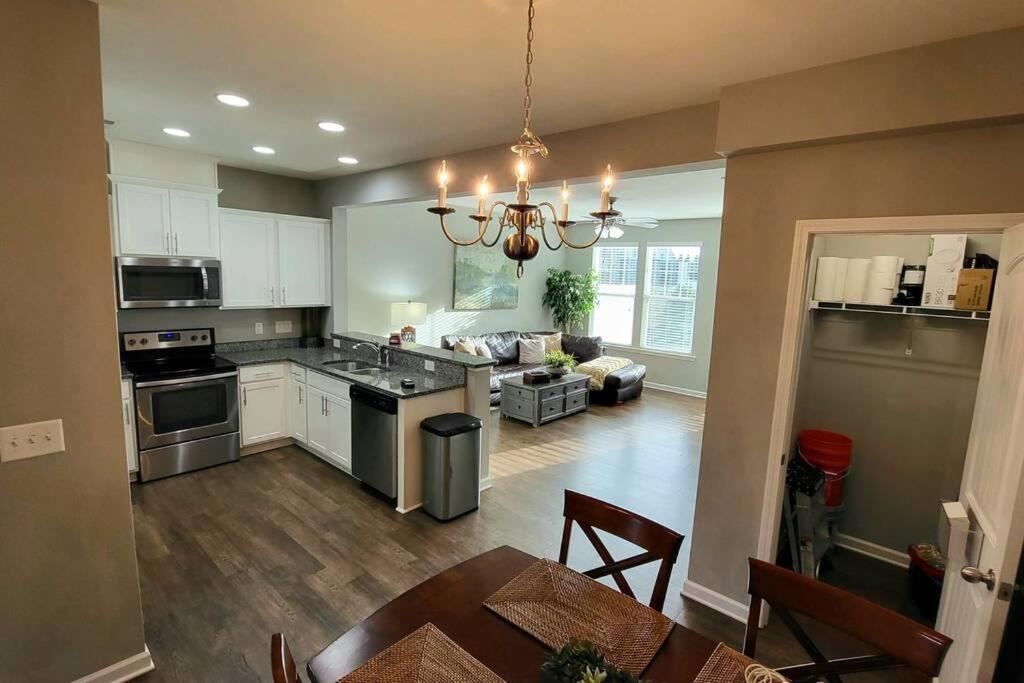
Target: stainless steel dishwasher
(375,439)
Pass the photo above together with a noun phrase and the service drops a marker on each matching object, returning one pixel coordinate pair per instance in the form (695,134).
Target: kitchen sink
(372,371)
(350,365)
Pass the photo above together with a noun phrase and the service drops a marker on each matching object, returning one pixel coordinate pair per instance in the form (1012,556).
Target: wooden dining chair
(904,642)
(282,665)
(659,542)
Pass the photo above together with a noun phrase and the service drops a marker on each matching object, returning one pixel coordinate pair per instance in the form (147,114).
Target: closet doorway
(901,381)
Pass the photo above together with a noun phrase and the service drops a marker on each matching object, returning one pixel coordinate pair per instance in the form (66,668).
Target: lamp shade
(408,313)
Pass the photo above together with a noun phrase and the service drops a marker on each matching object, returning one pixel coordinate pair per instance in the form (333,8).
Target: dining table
(454,602)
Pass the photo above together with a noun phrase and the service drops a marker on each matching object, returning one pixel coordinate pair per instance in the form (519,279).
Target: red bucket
(831,453)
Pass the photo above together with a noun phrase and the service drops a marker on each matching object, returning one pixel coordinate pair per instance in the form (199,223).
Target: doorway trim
(794,328)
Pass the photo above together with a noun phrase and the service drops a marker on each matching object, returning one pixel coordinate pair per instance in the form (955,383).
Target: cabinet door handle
(300,395)
(245,401)
(284,295)
(127,417)
(176,250)
(323,404)
(167,242)
(273,298)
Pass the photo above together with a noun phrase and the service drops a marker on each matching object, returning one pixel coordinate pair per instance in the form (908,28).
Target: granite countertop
(387,382)
(431,352)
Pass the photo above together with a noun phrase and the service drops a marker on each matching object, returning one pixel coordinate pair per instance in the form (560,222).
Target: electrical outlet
(259,328)
(337,343)
(428,365)
(283,326)
(30,440)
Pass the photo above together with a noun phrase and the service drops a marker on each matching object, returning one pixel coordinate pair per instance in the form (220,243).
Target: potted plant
(570,296)
(579,661)
(559,363)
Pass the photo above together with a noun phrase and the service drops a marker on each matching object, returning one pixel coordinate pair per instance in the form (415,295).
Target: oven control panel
(167,339)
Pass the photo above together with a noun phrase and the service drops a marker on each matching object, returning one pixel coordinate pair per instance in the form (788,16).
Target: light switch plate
(428,365)
(29,440)
(259,328)
(283,326)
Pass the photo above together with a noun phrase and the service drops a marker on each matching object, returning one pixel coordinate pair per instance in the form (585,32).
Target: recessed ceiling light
(263,150)
(232,100)
(331,126)
(177,132)
(348,160)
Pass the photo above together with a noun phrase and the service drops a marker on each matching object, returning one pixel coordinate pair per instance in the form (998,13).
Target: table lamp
(405,314)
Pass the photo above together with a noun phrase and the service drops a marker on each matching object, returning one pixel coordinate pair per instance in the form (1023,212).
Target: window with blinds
(670,296)
(616,293)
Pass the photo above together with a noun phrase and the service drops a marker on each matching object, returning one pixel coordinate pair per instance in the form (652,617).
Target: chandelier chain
(528,80)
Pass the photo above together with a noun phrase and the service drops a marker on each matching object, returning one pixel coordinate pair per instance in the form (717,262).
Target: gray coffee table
(541,403)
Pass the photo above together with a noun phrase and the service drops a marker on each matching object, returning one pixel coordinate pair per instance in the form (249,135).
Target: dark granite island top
(428,352)
(387,382)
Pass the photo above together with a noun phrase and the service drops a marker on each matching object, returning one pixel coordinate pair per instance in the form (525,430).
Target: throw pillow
(531,351)
(483,350)
(465,346)
(583,349)
(552,342)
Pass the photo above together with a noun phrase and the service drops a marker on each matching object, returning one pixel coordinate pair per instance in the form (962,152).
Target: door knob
(975,575)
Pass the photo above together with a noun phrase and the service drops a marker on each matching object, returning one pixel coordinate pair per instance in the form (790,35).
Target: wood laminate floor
(280,541)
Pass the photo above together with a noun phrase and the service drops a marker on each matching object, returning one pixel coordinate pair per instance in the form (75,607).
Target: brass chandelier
(522,216)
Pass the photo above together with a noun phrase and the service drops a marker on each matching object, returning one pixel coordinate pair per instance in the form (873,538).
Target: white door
(248,261)
(264,414)
(339,421)
(143,220)
(317,432)
(297,398)
(194,224)
(972,613)
(301,247)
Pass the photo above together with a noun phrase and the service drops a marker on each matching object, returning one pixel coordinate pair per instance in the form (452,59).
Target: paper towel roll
(885,264)
(830,280)
(881,287)
(856,280)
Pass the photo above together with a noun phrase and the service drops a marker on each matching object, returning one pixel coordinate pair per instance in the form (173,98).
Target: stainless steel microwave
(160,282)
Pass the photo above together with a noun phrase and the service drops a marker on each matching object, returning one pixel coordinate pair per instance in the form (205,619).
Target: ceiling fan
(612,228)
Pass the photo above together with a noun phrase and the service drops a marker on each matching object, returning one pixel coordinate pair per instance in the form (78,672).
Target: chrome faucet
(383,351)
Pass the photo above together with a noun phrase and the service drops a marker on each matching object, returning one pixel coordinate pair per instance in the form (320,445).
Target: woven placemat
(725,665)
(426,655)
(553,604)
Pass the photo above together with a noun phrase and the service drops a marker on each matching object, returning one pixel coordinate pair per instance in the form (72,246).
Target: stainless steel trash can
(451,464)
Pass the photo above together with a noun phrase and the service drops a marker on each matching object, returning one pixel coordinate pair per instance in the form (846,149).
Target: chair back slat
(282,664)
(659,542)
(912,644)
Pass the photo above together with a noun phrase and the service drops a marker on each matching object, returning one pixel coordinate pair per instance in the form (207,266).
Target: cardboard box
(942,270)
(974,289)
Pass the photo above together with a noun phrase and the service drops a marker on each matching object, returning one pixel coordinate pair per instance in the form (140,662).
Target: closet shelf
(899,310)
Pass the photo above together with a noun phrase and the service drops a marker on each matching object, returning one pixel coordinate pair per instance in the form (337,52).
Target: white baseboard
(675,390)
(409,509)
(125,670)
(485,484)
(716,601)
(878,552)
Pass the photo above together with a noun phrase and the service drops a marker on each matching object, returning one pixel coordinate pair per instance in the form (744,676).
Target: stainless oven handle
(183,380)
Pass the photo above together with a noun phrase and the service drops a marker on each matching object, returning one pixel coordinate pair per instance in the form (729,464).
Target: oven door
(172,411)
(156,282)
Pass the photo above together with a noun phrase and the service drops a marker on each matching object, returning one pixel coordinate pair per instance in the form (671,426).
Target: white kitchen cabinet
(273,261)
(128,417)
(339,430)
(263,412)
(301,258)
(329,420)
(194,229)
(154,218)
(297,398)
(317,430)
(248,260)
(143,219)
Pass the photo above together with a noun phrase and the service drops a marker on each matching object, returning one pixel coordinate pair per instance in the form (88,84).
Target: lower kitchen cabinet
(128,415)
(264,417)
(328,420)
(339,431)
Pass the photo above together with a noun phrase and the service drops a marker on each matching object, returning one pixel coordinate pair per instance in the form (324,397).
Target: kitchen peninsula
(292,394)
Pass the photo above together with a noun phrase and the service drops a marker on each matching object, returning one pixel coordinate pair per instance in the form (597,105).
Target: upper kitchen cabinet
(274,261)
(154,218)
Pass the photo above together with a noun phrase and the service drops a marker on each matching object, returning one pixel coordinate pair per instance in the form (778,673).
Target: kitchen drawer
(297,372)
(260,373)
(579,385)
(327,384)
(517,407)
(575,401)
(553,407)
(516,392)
(550,392)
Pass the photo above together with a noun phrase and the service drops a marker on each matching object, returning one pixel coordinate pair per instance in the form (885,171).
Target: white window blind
(616,293)
(670,296)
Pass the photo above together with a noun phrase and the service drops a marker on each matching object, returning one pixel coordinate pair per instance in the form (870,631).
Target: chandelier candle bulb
(565,202)
(606,186)
(442,186)
(483,198)
(522,182)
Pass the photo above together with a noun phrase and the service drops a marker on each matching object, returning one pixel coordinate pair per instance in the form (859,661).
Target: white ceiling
(413,79)
(691,194)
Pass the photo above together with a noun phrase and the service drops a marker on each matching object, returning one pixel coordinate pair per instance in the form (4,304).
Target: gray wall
(397,252)
(258,191)
(909,416)
(687,374)
(69,598)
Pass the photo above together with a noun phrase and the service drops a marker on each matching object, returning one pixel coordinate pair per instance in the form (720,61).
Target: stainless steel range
(186,401)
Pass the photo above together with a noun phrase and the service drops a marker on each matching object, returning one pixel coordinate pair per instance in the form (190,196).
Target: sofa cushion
(583,349)
(552,342)
(624,377)
(465,346)
(504,346)
(531,351)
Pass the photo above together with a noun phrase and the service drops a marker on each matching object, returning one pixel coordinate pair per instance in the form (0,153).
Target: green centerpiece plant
(570,296)
(560,360)
(580,662)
